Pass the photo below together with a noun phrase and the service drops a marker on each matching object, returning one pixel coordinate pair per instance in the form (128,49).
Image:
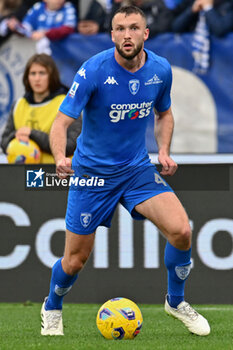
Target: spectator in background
(218,16)
(8,8)
(12,12)
(159,17)
(48,20)
(92,17)
(32,116)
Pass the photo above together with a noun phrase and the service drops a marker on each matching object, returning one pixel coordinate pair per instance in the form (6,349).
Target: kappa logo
(134,85)
(82,73)
(73,89)
(85,219)
(154,80)
(111,81)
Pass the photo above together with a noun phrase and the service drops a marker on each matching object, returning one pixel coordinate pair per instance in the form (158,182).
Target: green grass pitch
(20,330)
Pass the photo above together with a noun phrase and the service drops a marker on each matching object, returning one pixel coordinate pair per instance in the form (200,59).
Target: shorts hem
(86,233)
(153,195)
(79,233)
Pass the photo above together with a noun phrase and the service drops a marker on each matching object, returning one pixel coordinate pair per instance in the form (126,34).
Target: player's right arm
(58,139)
(70,109)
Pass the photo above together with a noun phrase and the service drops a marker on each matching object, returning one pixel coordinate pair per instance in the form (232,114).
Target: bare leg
(168,214)
(77,251)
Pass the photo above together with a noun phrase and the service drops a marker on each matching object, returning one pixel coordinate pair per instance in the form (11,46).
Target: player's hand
(169,166)
(63,168)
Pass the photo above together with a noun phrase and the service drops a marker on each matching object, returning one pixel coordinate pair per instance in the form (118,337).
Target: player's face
(128,34)
(54,5)
(38,78)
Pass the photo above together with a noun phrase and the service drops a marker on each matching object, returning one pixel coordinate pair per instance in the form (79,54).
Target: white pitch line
(202,308)
(214,308)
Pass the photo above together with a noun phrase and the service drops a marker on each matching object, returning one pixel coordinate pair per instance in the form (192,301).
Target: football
(19,152)
(119,318)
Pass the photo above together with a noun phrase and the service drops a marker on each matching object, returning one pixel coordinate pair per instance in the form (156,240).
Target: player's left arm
(164,124)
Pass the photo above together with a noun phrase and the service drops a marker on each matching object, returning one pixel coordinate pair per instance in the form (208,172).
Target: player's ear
(146,34)
(113,39)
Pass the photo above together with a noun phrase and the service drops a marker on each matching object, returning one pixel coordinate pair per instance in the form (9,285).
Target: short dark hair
(47,62)
(129,10)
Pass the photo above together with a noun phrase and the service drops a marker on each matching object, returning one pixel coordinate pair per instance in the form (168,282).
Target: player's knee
(76,263)
(182,239)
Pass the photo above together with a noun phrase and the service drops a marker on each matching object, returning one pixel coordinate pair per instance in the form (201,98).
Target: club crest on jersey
(85,219)
(134,85)
(73,89)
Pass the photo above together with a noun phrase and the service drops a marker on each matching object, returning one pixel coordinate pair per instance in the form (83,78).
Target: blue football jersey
(116,105)
(40,18)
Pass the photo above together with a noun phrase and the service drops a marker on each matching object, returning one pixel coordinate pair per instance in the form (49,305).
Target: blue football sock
(178,266)
(60,285)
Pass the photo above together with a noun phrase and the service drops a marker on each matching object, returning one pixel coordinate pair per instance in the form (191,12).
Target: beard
(131,55)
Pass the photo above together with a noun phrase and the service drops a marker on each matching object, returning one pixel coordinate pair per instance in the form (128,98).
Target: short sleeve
(80,92)
(163,102)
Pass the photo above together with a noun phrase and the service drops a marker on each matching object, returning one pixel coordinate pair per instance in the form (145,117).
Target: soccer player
(117,91)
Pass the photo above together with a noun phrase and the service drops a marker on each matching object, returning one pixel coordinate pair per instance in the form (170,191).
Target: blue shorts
(93,199)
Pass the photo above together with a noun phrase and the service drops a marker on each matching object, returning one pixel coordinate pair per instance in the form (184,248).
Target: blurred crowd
(56,19)
(49,20)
